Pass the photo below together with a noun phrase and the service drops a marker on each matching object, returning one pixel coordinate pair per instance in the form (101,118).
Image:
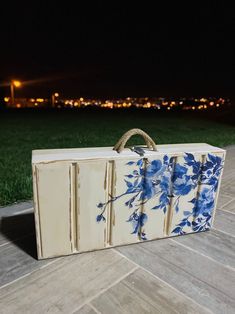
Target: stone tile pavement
(190,274)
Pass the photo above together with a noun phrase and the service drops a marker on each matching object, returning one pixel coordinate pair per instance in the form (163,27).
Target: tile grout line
(93,308)
(226,211)
(166,283)
(230,201)
(206,256)
(228,234)
(107,288)
(226,193)
(28,274)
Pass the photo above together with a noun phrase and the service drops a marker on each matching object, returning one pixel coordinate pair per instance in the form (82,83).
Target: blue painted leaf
(189,156)
(100,205)
(129,176)
(194,223)
(177,208)
(129,184)
(212,158)
(142,219)
(100,217)
(171,160)
(176,230)
(208,165)
(218,160)
(135,172)
(164,210)
(205,214)
(157,207)
(136,227)
(187,213)
(136,183)
(193,200)
(143,236)
(163,198)
(188,223)
(129,163)
(183,223)
(140,162)
(165,159)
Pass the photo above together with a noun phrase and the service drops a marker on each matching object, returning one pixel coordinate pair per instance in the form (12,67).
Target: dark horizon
(171,51)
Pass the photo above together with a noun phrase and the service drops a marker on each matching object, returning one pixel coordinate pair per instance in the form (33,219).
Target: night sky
(111,50)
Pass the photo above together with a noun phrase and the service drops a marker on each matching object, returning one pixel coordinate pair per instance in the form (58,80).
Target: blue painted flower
(168,179)
(205,202)
(151,179)
(182,185)
(208,176)
(138,220)
(179,172)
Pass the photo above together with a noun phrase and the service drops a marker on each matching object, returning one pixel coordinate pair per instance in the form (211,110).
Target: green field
(21,131)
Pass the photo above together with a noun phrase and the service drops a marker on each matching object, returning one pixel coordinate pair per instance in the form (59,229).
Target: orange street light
(14,84)
(17,83)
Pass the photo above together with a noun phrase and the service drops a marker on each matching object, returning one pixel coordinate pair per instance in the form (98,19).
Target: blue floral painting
(206,180)
(169,180)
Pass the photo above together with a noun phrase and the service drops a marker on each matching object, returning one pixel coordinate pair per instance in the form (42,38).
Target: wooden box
(94,198)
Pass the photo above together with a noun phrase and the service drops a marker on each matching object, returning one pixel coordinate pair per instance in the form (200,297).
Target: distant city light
(203,100)
(16,83)
(164,103)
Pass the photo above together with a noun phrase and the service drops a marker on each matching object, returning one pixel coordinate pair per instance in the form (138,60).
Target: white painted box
(93,198)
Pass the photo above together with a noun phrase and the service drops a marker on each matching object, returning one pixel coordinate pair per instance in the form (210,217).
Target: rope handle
(126,136)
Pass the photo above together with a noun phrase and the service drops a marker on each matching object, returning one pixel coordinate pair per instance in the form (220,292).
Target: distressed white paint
(70,183)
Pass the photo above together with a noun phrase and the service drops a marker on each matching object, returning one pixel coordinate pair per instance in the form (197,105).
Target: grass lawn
(21,131)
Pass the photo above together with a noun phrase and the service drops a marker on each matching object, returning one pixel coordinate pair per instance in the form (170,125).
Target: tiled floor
(189,274)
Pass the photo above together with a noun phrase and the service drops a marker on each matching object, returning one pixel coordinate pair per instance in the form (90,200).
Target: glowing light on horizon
(16,83)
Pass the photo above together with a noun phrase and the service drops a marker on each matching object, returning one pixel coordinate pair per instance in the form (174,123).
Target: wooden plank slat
(207,282)
(52,183)
(229,207)
(225,222)
(142,293)
(213,244)
(92,189)
(65,285)
(223,199)
(16,259)
(86,309)
(121,229)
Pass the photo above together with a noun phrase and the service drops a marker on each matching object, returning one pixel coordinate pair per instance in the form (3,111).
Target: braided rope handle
(126,136)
